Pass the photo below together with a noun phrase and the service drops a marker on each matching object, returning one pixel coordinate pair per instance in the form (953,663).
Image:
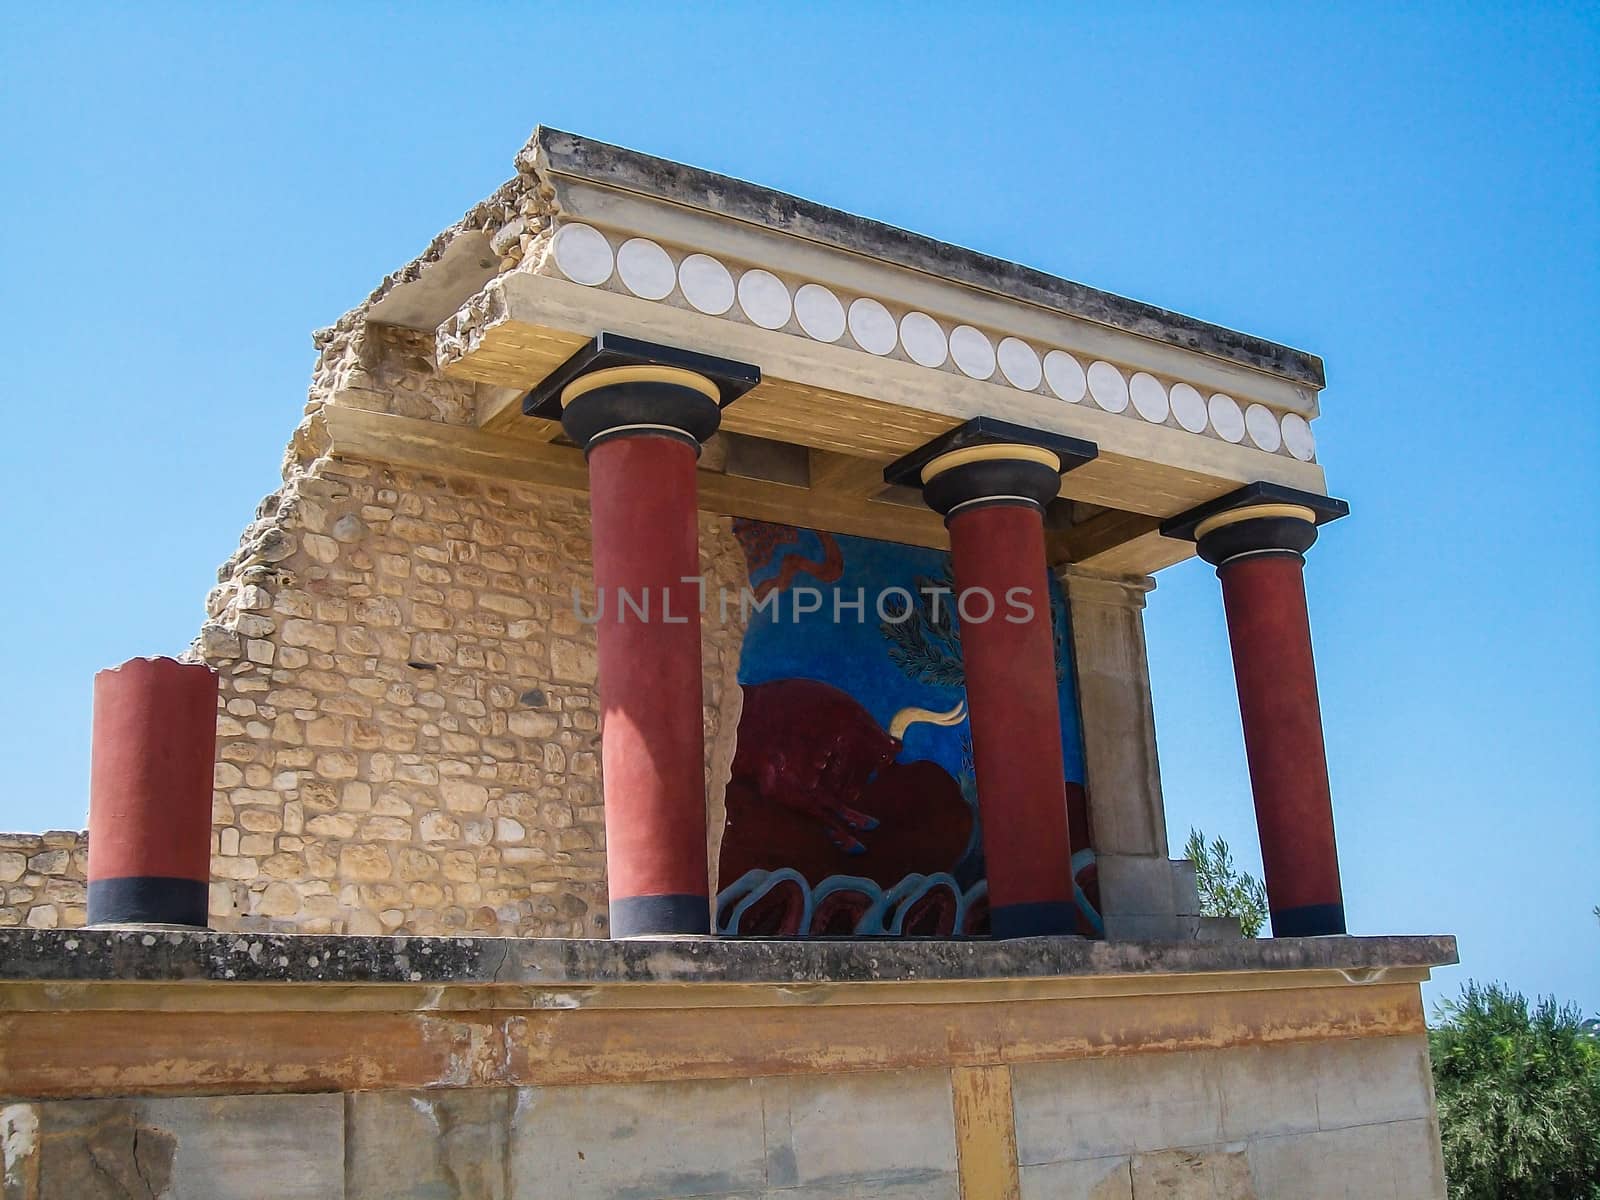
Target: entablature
(871,342)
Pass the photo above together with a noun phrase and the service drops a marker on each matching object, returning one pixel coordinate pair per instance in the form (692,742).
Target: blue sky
(1407,191)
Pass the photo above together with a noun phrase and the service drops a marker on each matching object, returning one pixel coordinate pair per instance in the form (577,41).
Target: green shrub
(1519,1098)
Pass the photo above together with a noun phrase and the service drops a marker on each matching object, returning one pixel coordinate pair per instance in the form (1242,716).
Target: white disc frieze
(1226,418)
(1189,406)
(1108,387)
(706,284)
(872,326)
(972,351)
(646,269)
(1262,426)
(1065,376)
(1297,436)
(923,339)
(1019,364)
(764,299)
(819,312)
(583,254)
(1149,396)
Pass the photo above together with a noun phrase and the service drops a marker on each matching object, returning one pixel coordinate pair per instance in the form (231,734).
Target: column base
(1048,918)
(660,916)
(1309,920)
(149,900)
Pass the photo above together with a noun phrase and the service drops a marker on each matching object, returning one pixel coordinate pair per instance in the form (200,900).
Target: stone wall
(916,1135)
(1350,1118)
(42,878)
(409,730)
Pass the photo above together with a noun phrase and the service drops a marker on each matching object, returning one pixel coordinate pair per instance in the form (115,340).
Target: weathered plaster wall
(523,1072)
(1295,1123)
(218,1065)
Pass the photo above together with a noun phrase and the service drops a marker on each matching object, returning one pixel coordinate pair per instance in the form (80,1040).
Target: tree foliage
(1225,890)
(925,642)
(924,637)
(1519,1098)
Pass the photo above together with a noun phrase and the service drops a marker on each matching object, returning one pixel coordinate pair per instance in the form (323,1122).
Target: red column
(1259,561)
(154,744)
(646,555)
(641,413)
(998,553)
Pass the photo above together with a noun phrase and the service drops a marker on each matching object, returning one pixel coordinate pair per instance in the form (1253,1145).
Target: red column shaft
(646,550)
(1014,703)
(1265,599)
(154,744)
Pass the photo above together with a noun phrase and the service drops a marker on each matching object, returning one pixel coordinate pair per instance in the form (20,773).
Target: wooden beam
(842,475)
(757,458)
(1122,542)
(1105,531)
(434,446)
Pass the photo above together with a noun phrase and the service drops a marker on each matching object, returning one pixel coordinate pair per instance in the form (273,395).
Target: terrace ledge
(157,955)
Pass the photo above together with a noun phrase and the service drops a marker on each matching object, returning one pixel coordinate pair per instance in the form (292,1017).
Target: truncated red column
(1257,541)
(992,488)
(641,413)
(155,731)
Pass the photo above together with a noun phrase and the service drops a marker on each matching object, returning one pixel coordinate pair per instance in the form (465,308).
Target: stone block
(1211,1173)
(938,1189)
(1396,1161)
(1366,1081)
(448,1144)
(189,1148)
(1144,927)
(1417,1158)
(572,661)
(888,1127)
(243,1147)
(1185,887)
(1086,1179)
(1097,1107)
(1218,929)
(49,862)
(656,1139)
(1266,1090)
(1137,896)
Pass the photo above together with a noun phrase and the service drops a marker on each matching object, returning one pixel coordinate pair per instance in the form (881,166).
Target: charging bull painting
(851,803)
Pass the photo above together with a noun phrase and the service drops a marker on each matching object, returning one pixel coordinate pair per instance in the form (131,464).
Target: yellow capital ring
(1254,513)
(1005,451)
(612,376)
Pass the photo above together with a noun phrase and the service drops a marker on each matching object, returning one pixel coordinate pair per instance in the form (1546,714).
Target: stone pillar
(1258,551)
(1140,896)
(641,422)
(992,491)
(154,745)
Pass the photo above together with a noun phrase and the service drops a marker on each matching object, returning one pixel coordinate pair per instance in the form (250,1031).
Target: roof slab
(871,341)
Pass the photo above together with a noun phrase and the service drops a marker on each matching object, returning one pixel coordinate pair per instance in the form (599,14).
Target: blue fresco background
(852,654)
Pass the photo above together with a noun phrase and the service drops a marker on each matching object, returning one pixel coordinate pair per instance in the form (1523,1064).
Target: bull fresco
(852,803)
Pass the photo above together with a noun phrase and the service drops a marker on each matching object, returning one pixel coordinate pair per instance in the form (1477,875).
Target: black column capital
(1259,518)
(619,386)
(986,461)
